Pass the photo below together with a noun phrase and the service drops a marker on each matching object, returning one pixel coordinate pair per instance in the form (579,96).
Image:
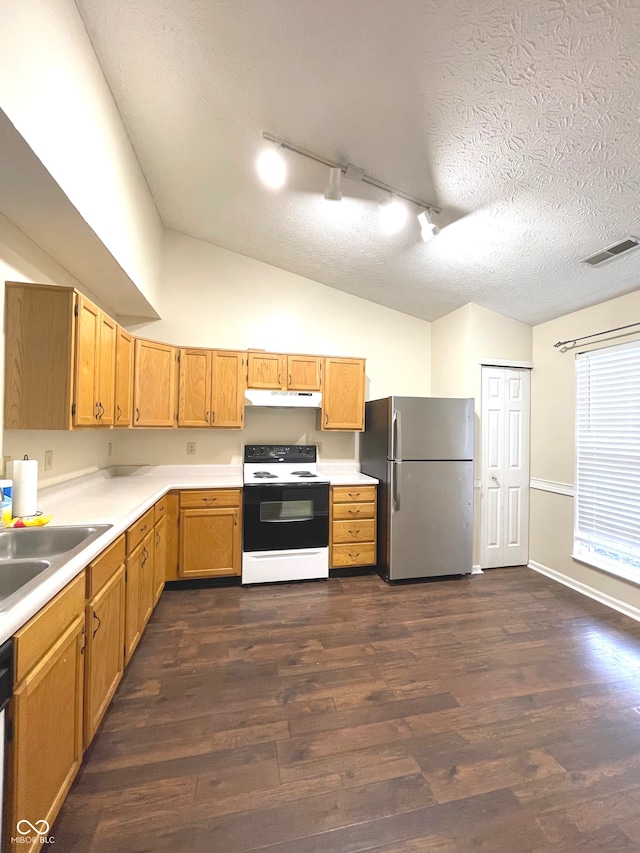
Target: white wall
(553,444)
(54,92)
(214,297)
(218,298)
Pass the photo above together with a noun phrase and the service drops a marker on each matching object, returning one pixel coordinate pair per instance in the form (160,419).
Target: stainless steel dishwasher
(6,689)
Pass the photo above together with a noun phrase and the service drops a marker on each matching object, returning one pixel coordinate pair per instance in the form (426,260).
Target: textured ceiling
(519,119)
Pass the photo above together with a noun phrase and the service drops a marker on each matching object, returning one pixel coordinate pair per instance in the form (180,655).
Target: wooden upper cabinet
(59,359)
(106,373)
(228,382)
(303,372)
(343,394)
(194,388)
(87,356)
(95,365)
(154,384)
(124,379)
(281,372)
(266,370)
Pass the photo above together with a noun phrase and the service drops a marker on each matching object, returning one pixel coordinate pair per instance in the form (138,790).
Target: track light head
(427,228)
(333,191)
(272,168)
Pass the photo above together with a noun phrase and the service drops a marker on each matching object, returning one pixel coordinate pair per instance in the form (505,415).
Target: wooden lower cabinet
(210,533)
(160,542)
(104,654)
(45,752)
(353,527)
(139,592)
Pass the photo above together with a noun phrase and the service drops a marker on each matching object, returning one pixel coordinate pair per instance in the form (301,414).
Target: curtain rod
(594,335)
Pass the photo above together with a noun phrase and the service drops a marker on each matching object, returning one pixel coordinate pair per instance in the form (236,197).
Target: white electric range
(285,514)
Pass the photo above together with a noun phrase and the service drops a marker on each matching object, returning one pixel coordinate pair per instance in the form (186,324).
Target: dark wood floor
(497,713)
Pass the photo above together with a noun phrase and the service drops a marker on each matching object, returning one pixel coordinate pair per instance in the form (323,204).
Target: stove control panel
(279,453)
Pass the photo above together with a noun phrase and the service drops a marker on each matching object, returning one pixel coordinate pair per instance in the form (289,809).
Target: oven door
(285,516)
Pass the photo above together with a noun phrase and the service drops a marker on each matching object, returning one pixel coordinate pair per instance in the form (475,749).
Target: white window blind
(607,506)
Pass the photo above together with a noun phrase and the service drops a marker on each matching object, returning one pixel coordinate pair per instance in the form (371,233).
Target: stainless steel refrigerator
(421,451)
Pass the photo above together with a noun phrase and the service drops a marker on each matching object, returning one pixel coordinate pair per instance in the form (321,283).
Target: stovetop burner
(265,475)
(303,474)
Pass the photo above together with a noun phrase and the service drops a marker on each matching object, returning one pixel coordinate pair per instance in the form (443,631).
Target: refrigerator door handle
(397,435)
(395,486)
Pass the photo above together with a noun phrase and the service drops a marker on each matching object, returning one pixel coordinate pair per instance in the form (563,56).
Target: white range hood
(283,399)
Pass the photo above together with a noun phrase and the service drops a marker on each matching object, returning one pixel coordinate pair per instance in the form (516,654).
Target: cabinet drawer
(160,509)
(353,555)
(353,494)
(104,566)
(35,638)
(137,531)
(353,531)
(351,511)
(196,499)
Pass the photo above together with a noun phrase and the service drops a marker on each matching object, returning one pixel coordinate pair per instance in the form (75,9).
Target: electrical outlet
(319,446)
(6,465)
(48,460)
(109,448)
(191,448)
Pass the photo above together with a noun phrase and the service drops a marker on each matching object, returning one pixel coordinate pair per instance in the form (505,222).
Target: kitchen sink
(16,574)
(36,542)
(30,555)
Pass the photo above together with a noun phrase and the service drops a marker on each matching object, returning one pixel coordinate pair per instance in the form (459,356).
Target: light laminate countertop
(119,497)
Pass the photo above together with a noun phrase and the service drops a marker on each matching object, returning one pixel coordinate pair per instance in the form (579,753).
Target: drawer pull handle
(354,512)
(354,555)
(143,528)
(210,500)
(95,616)
(354,495)
(355,532)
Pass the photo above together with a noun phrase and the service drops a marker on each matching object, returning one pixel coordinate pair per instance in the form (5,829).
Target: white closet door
(504,539)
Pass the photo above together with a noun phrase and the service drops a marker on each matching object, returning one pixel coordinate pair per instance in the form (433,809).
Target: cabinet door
(104,663)
(228,384)
(147,579)
(194,388)
(46,750)
(154,385)
(209,542)
(132,626)
(124,378)
(303,372)
(343,394)
(86,367)
(106,383)
(266,370)
(159,558)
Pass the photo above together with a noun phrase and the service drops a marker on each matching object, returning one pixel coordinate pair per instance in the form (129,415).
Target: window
(607,505)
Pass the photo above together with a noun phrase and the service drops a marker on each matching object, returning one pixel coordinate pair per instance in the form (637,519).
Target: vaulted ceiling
(519,120)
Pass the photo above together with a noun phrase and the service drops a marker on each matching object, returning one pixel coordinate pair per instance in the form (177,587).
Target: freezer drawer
(431,519)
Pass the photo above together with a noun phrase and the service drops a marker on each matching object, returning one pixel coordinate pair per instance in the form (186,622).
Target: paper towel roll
(25,487)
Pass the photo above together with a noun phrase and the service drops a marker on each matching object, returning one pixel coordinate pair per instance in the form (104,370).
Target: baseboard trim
(585,589)
(476,570)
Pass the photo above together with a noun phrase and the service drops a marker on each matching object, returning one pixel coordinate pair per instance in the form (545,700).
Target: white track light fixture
(393,215)
(272,168)
(427,228)
(333,191)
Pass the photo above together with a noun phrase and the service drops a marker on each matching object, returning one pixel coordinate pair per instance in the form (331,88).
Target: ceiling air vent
(612,252)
